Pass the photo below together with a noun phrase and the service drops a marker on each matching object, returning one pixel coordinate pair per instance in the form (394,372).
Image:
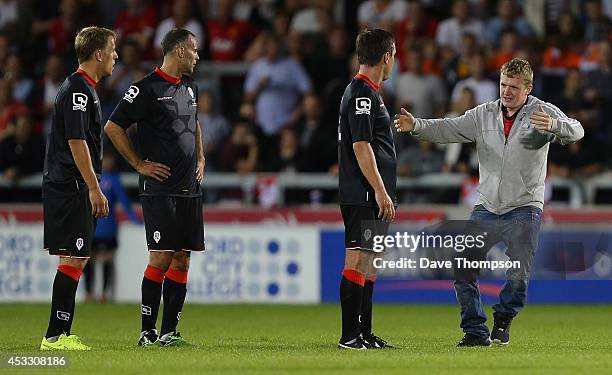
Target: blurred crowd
(282,113)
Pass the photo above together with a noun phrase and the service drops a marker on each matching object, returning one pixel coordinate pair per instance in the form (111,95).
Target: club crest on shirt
(79,101)
(79,243)
(131,94)
(193,101)
(156,236)
(363,106)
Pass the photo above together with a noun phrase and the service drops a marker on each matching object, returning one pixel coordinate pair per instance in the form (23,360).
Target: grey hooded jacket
(511,171)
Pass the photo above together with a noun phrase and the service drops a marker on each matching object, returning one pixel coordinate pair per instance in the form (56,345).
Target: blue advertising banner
(570,267)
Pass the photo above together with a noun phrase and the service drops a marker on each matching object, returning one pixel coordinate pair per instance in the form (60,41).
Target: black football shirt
(76,115)
(164,110)
(363,117)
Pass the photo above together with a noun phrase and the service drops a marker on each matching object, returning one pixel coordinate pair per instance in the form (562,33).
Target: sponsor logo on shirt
(164,98)
(79,101)
(363,106)
(131,94)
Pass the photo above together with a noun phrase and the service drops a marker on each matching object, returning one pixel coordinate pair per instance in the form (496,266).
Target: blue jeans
(519,230)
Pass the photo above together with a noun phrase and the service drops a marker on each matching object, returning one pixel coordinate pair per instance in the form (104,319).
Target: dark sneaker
(501,331)
(147,338)
(372,341)
(474,340)
(354,344)
(172,339)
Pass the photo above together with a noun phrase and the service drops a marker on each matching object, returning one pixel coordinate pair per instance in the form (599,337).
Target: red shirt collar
(368,81)
(167,77)
(87,77)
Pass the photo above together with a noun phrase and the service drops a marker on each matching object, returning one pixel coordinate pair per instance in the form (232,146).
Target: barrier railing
(580,192)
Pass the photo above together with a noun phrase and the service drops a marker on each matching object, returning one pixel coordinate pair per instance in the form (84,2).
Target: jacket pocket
(488,186)
(513,190)
(529,181)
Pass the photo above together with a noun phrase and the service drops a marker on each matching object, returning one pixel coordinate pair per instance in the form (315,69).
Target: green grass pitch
(302,339)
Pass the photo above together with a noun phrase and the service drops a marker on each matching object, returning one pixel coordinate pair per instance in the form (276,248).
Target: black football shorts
(173,223)
(69,225)
(361,225)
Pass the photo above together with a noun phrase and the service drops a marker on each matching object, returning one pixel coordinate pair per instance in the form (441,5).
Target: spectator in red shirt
(507,50)
(229,37)
(138,22)
(62,30)
(431,57)
(561,53)
(415,26)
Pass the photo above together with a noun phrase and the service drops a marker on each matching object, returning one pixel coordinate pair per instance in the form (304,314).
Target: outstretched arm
(461,129)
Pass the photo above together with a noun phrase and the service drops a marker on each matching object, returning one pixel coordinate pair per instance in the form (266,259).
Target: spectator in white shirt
(275,84)
(484,89)
(181,19)
(48,89)
(450,30)
(383,14)
(215,129)
(423,93)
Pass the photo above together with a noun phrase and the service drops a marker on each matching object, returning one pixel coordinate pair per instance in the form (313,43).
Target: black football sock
(88,272)
(366,308)
(351,295)
(151,296)
(62,300)
(107,275)
(175,290)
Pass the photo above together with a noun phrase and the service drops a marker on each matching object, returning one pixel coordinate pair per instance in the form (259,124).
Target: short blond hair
(518,68)
(90,39)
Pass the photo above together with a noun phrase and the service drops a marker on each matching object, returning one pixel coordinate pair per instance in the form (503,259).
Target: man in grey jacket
(512,136)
